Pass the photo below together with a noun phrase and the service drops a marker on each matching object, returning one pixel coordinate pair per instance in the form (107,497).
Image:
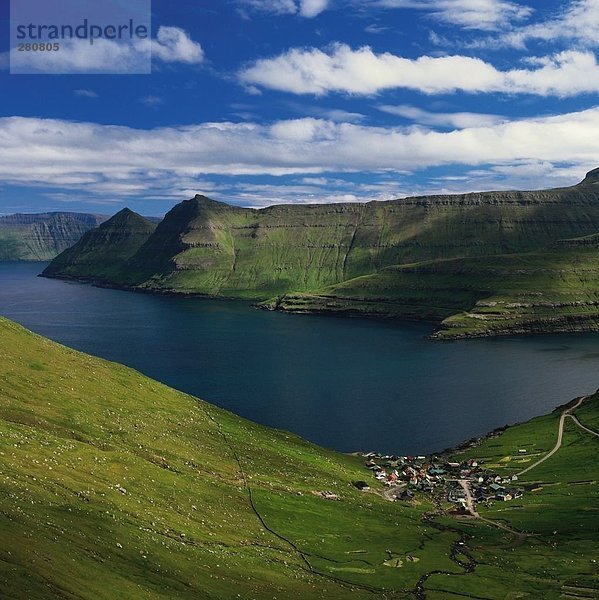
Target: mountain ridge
(208,248)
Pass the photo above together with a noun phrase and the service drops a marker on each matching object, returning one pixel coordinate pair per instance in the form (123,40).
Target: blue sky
(258,102)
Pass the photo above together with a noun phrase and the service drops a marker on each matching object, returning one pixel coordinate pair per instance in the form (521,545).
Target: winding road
(560,434)
(470,504)
(575,419)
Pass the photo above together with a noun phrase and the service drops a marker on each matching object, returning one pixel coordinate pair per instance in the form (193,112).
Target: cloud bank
(342,69)
(66,155)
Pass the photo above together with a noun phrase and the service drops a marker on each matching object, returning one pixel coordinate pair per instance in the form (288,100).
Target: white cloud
(331,114)
(152,101)
(489,15)
(362,72)
(172,44)
(98,159)
(312,8)
(485,15)
(79,56)
(578,22)
(457,120)
(277,7)
(305,8)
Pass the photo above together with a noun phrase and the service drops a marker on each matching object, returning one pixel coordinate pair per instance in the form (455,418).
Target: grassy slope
(563,515)
(73,428)
(554,290)
(100,253)
(75,431)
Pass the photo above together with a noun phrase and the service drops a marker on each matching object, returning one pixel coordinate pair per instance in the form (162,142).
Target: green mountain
(115,486)
(101,252)
(426,257)
(553,290)
(42,236)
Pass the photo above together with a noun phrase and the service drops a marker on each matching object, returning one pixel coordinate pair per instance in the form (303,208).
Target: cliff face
(42,236)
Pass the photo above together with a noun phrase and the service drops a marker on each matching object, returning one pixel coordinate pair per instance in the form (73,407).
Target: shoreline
(438,335)
(476,441)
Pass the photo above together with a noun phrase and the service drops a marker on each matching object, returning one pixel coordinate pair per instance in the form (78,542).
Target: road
(583,427)
(469,499)
(470,504)
(560,435)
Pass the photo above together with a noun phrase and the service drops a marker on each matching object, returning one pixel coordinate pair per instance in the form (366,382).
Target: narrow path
(392,492)
(251,495)
(560,435)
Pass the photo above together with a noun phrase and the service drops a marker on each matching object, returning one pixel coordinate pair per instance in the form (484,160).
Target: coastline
(559,325)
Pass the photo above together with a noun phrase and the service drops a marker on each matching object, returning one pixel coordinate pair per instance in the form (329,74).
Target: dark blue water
(343,383)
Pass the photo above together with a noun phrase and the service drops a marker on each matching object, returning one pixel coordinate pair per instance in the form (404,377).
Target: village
(453,481)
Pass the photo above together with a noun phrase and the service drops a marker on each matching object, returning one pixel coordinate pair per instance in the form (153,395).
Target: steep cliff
(208,247)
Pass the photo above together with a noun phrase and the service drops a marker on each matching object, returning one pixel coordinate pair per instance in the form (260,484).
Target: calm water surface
(343,383)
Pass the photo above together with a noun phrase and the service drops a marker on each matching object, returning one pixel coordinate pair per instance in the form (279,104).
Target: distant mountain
(42,236)
(292,251)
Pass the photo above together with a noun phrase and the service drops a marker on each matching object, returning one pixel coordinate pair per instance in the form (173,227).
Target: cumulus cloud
(79,56)
(457,120)
(362,72)
(172,44)
(312,8)
(578,22)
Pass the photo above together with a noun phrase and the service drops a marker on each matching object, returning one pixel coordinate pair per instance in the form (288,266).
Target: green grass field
(559,513)
(115,486)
